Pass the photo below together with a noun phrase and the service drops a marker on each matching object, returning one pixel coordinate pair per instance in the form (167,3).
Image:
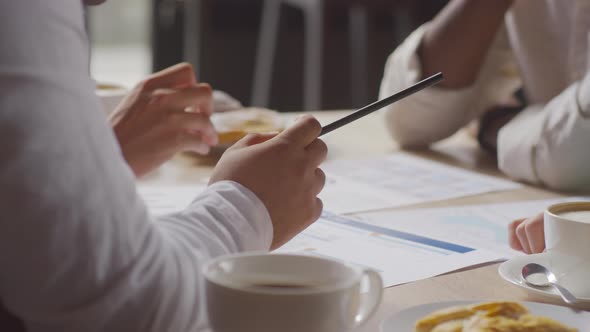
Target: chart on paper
(401,179)
(398,256)
(405,246)
(479,226)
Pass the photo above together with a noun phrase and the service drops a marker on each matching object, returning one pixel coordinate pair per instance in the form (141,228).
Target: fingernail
(204,149)
(300,117)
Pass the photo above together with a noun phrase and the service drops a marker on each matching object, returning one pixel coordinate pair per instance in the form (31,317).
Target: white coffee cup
(288,293)
(110,96)
(567,241)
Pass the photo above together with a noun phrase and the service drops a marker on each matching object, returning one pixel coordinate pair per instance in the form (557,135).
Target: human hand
(527,235)
(165,114)
(282,170)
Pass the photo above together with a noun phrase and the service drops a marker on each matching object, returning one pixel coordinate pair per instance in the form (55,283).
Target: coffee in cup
(567,241)
(288,293)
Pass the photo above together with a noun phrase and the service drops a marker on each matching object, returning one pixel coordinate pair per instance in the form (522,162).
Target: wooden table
(368,138)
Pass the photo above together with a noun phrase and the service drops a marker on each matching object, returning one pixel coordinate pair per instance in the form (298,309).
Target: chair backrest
(9,322)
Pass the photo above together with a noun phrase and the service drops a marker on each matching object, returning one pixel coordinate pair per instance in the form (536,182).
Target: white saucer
(404,321)
(511,271)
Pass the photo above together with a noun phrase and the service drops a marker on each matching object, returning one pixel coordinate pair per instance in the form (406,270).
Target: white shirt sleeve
(548,144)
(79,251)
(436,113)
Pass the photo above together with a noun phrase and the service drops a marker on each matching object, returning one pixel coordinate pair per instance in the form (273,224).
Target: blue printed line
(414,245)
(397,234)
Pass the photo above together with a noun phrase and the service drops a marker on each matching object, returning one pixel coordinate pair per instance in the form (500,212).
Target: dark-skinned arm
(458,39)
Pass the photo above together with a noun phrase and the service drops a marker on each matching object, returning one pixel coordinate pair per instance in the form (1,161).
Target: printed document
(403,246)
(478,226)
(406,246)
(401,179)
(398,256)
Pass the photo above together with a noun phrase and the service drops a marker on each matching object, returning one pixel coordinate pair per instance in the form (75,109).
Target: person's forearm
(458,38)
(547,143)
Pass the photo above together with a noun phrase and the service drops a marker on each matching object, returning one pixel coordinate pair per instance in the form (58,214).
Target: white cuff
(403,66)
(583,97)
(517,142)
(546,143)
(257,232)
(411,122)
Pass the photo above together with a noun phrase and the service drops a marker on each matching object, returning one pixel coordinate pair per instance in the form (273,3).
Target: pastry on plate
(233,125)
(488,317)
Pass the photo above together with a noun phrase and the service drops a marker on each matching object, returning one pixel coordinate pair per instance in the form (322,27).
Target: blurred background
(288,55)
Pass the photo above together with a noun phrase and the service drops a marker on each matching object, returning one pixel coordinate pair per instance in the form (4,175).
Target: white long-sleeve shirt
(544,47)
(78,249)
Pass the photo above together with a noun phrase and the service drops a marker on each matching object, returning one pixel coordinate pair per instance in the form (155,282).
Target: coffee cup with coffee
(567,241)
(288,293)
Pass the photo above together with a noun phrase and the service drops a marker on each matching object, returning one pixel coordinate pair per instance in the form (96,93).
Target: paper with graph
(398,256)
(406,246)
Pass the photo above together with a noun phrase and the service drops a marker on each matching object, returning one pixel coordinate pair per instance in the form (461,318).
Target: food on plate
(233,125)
(488,317)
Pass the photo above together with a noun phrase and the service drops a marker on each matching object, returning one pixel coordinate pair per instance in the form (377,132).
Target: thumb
(304,131)
(181,74)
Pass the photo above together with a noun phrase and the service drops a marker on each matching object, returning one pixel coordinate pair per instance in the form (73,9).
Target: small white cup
(288,293)
(110,96)
(567,239)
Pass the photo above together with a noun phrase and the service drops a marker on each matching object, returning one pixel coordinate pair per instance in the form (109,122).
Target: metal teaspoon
(545,278)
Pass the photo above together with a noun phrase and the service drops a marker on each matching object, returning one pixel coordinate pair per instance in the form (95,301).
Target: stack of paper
(403,246)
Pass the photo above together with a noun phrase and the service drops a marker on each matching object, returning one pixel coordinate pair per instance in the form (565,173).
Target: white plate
(511,271)
(404,321)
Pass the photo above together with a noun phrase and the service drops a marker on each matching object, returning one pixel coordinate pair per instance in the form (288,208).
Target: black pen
(429,81)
